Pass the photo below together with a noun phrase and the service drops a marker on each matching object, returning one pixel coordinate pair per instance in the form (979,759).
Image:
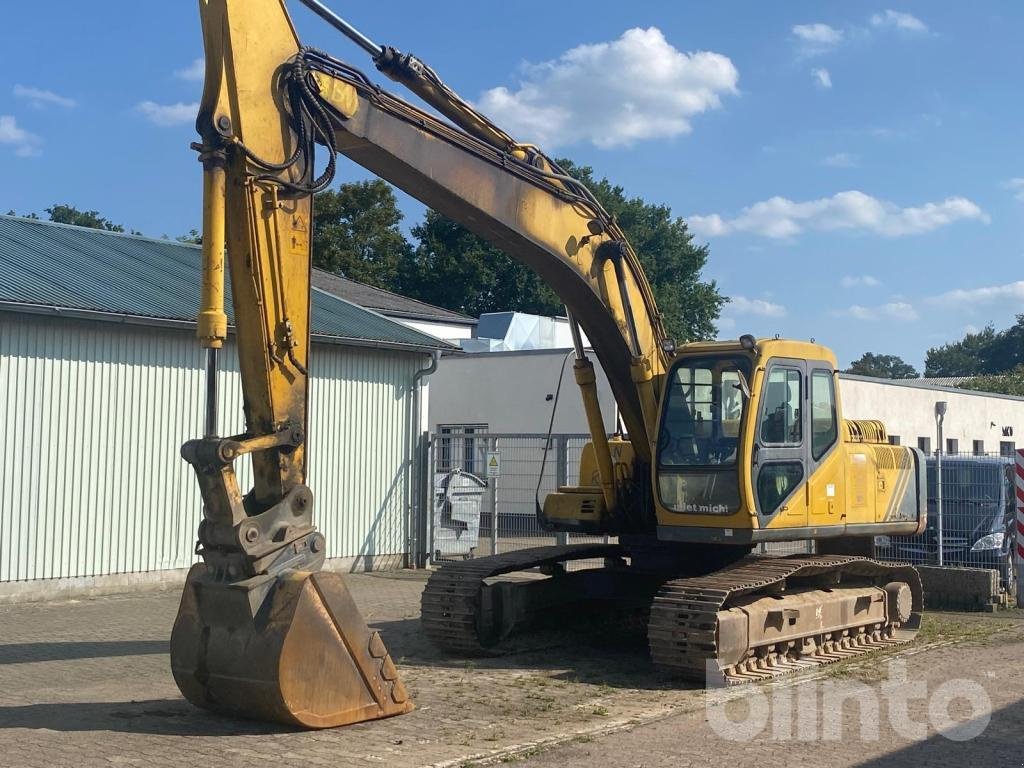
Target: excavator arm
(261,631)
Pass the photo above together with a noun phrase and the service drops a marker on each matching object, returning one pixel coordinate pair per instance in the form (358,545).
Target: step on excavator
(724,445)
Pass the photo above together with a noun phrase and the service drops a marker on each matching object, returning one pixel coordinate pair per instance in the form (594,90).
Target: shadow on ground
(1001,744)
(20,653)
(582,652)
(167,717)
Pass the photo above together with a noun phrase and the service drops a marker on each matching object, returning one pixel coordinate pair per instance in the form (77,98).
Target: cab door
(780,457)
(827,463)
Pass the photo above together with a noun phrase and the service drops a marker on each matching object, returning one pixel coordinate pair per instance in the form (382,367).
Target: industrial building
(103,381)
(514,392)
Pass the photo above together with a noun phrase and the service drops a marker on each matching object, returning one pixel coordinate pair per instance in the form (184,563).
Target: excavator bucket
(292,649)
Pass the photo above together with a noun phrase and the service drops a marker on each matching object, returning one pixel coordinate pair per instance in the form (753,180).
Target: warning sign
(493,464)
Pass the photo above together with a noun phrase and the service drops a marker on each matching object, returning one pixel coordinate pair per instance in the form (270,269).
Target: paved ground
(87,684)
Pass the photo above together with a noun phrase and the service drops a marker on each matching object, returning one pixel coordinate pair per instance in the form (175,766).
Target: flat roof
(925,385)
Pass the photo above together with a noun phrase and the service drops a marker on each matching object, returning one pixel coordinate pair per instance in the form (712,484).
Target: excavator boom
(722,446)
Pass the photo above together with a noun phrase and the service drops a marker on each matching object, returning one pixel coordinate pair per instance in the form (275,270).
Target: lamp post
(940,413)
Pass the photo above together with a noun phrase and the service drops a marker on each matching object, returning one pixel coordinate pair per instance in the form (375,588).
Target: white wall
(909,411)
(506,391)
(92,416)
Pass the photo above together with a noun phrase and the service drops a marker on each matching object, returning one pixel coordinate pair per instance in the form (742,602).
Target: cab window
(701,423)
(698,439)
(780,407)
(824,423)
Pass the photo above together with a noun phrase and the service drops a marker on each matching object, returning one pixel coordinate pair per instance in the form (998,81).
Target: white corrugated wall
(92,416)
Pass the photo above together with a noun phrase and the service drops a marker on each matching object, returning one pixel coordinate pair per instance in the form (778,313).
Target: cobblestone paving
(87,683)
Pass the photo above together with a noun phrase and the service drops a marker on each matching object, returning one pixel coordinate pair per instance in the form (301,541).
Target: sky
(855,168)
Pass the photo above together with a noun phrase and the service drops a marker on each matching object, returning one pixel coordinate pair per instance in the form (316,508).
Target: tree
(882,367)
(671,260)
(63,213)
(453,268)
(1009,383)
(456,269)
(985,352)
(356,233)
(194,236)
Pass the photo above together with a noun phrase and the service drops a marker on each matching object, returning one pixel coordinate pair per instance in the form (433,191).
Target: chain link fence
(970,516)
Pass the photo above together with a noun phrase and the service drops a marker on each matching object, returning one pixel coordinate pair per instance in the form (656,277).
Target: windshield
(971,481)
(701,422)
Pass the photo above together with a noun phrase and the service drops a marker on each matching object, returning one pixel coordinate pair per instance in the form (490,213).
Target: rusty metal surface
(685,629)
(452,610)
(301,655)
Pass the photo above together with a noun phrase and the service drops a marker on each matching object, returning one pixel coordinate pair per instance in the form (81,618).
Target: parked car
(978,518)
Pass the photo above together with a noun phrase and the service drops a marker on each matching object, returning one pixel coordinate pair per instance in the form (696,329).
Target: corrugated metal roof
(385,302)
(57,265)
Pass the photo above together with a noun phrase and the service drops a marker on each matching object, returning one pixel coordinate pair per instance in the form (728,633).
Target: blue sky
(856,168)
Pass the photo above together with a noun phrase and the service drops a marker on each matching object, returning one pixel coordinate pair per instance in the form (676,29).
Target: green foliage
(1009,383)
(671,260)
(194,236)
(882,367)
(984,353)
(62,213)
(356,233)
(454,268)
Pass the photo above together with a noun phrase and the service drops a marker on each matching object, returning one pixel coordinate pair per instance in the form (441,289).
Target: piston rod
(212,394)
(344,27)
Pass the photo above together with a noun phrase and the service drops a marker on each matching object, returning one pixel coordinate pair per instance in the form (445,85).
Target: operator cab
(699,436)
(784,389)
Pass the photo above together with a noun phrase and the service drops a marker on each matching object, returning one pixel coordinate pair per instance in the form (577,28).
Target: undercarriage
(751,619)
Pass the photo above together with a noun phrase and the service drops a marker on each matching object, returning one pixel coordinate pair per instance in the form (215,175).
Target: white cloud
(898,20)
(25,144)
(856,281)
(822,78)
(894,310)
(741,305)
(815,39)
(780,217)
(987,295)
(194,72)
(614,93)
(841,160)
(818,33)
(39,98)
(168,114)
(1015,185)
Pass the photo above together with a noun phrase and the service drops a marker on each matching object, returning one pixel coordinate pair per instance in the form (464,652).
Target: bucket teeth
(303,657)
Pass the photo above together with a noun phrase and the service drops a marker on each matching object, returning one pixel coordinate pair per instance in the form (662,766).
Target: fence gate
(498,472)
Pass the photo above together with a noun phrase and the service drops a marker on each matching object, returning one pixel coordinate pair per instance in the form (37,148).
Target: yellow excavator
(725,446)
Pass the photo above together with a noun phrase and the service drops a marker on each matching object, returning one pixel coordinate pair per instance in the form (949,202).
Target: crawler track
(683,626)
(451,611)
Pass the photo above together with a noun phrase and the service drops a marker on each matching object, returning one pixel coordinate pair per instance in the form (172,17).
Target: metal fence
(501,472)
(970,516)
(970,500)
